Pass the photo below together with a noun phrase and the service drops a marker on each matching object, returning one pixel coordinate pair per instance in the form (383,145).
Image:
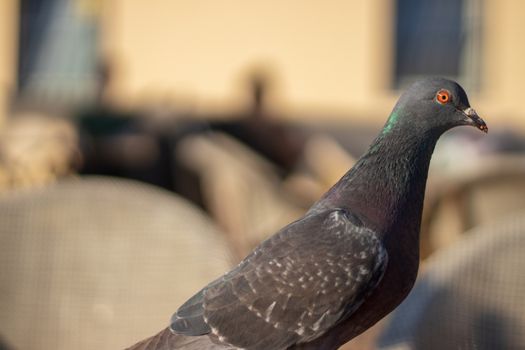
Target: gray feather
(292,288)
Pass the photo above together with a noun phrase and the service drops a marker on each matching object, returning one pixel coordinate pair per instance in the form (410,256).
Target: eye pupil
(443,96)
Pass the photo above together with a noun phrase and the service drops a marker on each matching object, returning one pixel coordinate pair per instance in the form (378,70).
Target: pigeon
(348,262)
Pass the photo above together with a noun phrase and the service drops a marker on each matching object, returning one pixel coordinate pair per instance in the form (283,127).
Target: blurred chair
(470,195)
(470,296)
(99,263)
(324,161)
(241,190)
(244,192)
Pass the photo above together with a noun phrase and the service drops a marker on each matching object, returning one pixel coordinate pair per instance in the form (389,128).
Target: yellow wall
(8,49)
(503,91)
(323,54)
(327,57)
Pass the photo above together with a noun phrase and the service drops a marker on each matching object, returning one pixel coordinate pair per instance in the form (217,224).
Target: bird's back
(302,281)
(167,340)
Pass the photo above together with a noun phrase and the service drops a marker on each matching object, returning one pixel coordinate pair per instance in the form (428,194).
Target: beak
(472,118)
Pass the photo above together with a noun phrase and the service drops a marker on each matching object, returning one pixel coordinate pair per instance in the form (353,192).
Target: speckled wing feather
(292,288)
(167,340)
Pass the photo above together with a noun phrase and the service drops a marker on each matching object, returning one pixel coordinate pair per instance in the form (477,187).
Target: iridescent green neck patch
(392,120)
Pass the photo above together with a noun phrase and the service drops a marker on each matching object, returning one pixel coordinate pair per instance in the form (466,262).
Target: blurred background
(147,146)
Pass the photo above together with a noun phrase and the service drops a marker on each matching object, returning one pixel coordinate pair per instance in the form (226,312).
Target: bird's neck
(386,187)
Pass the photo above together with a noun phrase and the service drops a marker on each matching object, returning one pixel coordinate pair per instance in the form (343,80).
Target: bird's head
(435,105)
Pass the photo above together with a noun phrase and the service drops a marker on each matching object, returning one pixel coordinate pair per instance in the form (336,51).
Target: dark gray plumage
(350,260)
(292,288)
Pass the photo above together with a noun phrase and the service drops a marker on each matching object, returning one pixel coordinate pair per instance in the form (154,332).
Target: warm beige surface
(324,56)
(335,59)
(8,49)
(99,263)
(327,60)
(35,150)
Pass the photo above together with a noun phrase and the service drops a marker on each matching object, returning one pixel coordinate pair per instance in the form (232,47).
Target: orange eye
(443,96)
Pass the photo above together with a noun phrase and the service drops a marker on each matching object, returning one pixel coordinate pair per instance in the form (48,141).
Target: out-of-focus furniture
(36,150)
(241,190)
(244,192)
(469,195)
(99,263)
(470,296)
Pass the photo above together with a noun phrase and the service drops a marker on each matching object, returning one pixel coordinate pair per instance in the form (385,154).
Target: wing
(292,288)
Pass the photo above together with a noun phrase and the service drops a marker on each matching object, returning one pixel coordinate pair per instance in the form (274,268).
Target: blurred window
(440,38)
(57,61)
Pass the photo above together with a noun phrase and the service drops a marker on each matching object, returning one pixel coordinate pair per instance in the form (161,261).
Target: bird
(349,261)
